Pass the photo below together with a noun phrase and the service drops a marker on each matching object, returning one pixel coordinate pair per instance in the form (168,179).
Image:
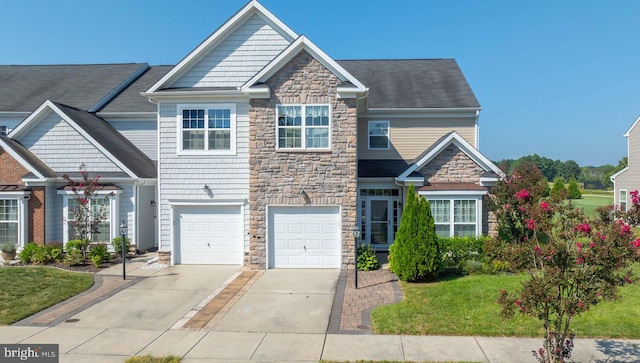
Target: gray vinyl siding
(184,176)
(53,215)
(127,209)
(630,179)
(411,137)
(142,133)
(146,217)
(63,149)
(10,122)
(237,58)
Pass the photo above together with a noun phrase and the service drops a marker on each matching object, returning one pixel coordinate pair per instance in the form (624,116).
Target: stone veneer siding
(276,177)
(11,172)
(452,165)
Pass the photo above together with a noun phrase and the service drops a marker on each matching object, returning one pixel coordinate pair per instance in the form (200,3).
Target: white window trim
(303,142)
(388,135)
(23,214)
(114,208)
(626,198)
(452,198)
(206,106)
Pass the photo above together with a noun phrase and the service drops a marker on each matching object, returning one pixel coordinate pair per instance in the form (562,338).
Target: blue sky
(556,78)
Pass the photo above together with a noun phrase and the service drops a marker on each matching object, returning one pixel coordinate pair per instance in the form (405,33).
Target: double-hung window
(303,126)
(378,134)
(9,220)
(456,217)
(207,128)
(623,199)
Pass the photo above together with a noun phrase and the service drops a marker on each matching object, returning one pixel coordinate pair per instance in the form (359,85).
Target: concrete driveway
(284,301)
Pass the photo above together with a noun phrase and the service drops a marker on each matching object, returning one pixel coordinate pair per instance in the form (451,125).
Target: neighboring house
(628,179)
(46,140)
(272,154)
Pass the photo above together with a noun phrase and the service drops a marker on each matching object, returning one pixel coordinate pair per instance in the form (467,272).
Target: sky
(555,78)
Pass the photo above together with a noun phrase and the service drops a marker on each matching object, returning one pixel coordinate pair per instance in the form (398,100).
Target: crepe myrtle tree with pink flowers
(87,215)
(574,262)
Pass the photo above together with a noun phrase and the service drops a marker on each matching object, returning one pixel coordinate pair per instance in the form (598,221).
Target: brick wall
(10,170)
(328,177)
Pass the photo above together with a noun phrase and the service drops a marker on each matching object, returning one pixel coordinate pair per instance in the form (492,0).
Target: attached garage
(209,234)
(304,237)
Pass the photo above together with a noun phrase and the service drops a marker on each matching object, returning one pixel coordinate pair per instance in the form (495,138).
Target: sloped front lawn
(467,306)
(25,291)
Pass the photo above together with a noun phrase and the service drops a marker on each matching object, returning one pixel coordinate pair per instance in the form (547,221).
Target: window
(9,220)
(378,134)
(3,130)
(102,232)
(293,133)
(461,220)
(207,128)
(623,199)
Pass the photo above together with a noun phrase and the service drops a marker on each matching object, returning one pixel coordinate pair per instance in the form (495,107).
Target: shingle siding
(184,176)
(63,149)
(237,58)
(142,133)
(630,179)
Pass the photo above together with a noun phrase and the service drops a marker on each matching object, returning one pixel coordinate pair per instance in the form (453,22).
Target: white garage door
(209,235)
(304,237)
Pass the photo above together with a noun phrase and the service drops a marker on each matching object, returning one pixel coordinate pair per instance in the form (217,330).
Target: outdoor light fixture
(205,188)
(356,237)
(123,232)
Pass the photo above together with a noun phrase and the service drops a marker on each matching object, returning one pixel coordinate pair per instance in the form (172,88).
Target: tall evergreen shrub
(414,254)
(574,189)
(558,190)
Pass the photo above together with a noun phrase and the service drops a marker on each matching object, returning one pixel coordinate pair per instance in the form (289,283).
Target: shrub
(456,251)
(76,252)
(40,255)
(558,190)
(367,259)
(117,245)
(574,189)
(55,251)
(414,254)
(99,253)
(27,252)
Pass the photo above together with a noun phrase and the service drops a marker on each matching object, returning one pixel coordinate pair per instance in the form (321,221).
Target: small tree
(574,263)
(558,190)
(573,190)
(414,253)
(87,212)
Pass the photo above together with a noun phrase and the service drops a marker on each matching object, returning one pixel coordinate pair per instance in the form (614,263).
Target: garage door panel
(304,237)
(209,235)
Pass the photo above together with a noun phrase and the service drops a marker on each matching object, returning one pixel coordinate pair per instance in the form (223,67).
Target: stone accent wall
(452,165)
(276,177)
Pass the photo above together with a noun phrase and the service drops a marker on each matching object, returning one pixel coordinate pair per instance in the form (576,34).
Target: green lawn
(590,202)
(467,306)
(27,290)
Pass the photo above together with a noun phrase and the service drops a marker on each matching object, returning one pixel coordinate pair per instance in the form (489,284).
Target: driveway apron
(284,301)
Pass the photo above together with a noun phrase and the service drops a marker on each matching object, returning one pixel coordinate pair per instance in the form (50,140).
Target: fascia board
(631,128)
(21,160)
(93,142)
(420,112)
(453,192)
(302,43)
(31,120)
(253,7)
(614,176)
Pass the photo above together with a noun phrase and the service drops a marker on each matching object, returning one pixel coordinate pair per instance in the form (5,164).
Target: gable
(237,58)
(451,165)
(63,148)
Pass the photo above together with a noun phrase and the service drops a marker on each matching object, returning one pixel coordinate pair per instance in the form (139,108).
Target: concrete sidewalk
(282,317)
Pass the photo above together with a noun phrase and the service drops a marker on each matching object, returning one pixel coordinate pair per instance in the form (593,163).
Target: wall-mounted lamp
(153,203)
(205,188)
(303,193)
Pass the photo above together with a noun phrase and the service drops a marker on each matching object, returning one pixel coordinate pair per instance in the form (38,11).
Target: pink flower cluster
(583,227)
(625,229)
(634,197)
(636,243)
(545,206)
(531,224)
(522,194)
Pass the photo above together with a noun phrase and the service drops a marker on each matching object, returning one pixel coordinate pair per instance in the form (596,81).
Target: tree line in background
(593,177)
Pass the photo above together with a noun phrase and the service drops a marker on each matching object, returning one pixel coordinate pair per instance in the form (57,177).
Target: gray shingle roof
(24,88)
(130,100)
(118,145)
(381,168)
(413,83)
(29,157)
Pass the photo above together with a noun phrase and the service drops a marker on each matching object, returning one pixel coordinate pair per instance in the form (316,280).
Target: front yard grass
(25,291)
(467,306)
(591,202)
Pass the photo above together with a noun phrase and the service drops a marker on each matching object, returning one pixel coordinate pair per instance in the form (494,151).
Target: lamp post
(123,232)
(356,236)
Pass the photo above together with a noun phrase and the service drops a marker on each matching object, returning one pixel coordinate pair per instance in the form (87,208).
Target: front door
(379,219)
